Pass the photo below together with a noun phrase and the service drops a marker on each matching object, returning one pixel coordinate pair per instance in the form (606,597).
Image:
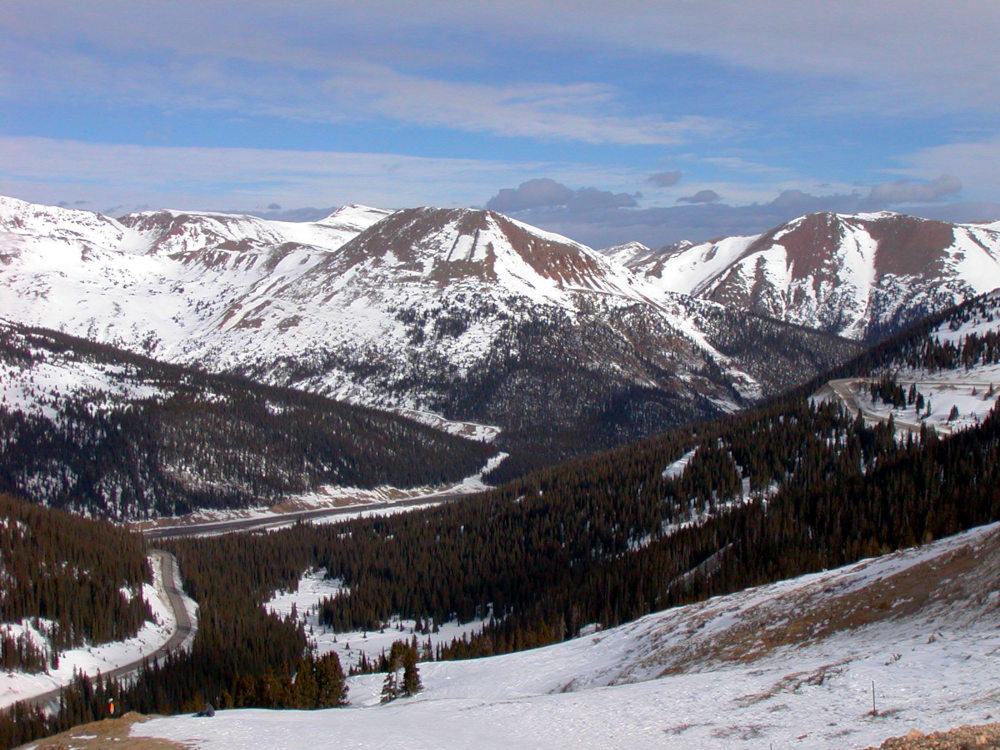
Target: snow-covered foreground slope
(787,665)
(859,276)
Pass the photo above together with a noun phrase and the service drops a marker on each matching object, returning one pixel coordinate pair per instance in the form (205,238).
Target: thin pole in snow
(874,710)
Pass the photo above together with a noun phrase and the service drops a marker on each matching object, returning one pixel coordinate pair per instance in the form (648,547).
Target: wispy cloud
(702,196)
(707,215)
(577,112)
(972,162)
(906,191)
(348,91)
(665,179)
(546,193)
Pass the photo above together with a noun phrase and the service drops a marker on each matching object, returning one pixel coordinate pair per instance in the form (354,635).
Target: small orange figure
(111,706)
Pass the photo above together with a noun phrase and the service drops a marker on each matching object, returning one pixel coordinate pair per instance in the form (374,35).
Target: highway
(845,390)
(285,519)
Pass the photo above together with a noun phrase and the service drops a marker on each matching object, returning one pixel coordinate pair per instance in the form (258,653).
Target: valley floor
(788,665)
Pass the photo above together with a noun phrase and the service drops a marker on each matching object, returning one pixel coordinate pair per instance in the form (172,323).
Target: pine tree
(411,675)
(394,683)
(332,687)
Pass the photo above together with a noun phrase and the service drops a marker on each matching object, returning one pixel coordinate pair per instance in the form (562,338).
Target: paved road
(285,519)
(185,630)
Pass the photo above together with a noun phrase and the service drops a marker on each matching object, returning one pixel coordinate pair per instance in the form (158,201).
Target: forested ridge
(159,439)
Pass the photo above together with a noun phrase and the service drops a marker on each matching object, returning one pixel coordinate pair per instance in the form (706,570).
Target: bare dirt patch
(982,737)
(959,578)
(109,734)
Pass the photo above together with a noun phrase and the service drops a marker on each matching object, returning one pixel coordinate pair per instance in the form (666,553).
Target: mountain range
(230,334)
(862,277)
(462,313)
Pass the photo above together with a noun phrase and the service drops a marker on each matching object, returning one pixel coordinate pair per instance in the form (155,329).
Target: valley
(383,375)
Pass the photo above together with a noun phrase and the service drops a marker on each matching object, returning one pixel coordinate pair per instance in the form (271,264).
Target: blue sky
(608,122)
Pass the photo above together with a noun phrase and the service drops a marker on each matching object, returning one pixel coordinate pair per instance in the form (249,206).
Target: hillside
(67,581)
(793,488)
(108,433)
(863,276)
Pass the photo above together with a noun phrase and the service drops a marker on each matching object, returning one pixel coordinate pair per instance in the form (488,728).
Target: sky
(638,120)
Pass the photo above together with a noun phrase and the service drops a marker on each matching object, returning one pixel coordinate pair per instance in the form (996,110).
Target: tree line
(780,490)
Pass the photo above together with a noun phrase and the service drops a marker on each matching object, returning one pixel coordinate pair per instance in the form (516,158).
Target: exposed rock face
(982,737)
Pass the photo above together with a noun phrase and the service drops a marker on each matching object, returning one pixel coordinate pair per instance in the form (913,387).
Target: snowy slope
(859,276)
(625,252)
(954,398)
(105,432)
(154,280)
(787,665)
(461,313)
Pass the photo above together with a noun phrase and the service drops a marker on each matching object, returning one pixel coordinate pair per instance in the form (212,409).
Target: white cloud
(578,112)
(974,163)
(266,74)
(318,60)
(914,53)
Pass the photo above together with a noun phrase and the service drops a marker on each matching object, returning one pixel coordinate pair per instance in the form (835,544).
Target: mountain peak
(859,276)
(355,217)
(447,246)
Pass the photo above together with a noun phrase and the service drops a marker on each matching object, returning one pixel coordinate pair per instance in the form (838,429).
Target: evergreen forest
(159,439)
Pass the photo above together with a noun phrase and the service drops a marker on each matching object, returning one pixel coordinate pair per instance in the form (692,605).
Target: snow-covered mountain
(858,276)
(466,313)
(625,252)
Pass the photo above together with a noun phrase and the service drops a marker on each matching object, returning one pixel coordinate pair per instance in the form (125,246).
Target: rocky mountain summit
(861,276)
(463,313)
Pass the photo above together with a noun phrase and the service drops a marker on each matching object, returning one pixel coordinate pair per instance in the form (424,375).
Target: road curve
(843,389)
(185,630)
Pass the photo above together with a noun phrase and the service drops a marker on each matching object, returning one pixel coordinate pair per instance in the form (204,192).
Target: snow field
(349,646)
(973,401)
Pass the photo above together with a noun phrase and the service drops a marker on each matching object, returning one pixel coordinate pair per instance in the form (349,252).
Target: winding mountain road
(184,632)
(845,389)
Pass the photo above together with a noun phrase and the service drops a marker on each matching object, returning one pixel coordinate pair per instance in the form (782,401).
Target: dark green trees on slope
(163,440)
(76,580)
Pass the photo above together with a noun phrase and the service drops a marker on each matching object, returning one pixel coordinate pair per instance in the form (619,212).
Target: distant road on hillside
(286,519)
(845,389)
